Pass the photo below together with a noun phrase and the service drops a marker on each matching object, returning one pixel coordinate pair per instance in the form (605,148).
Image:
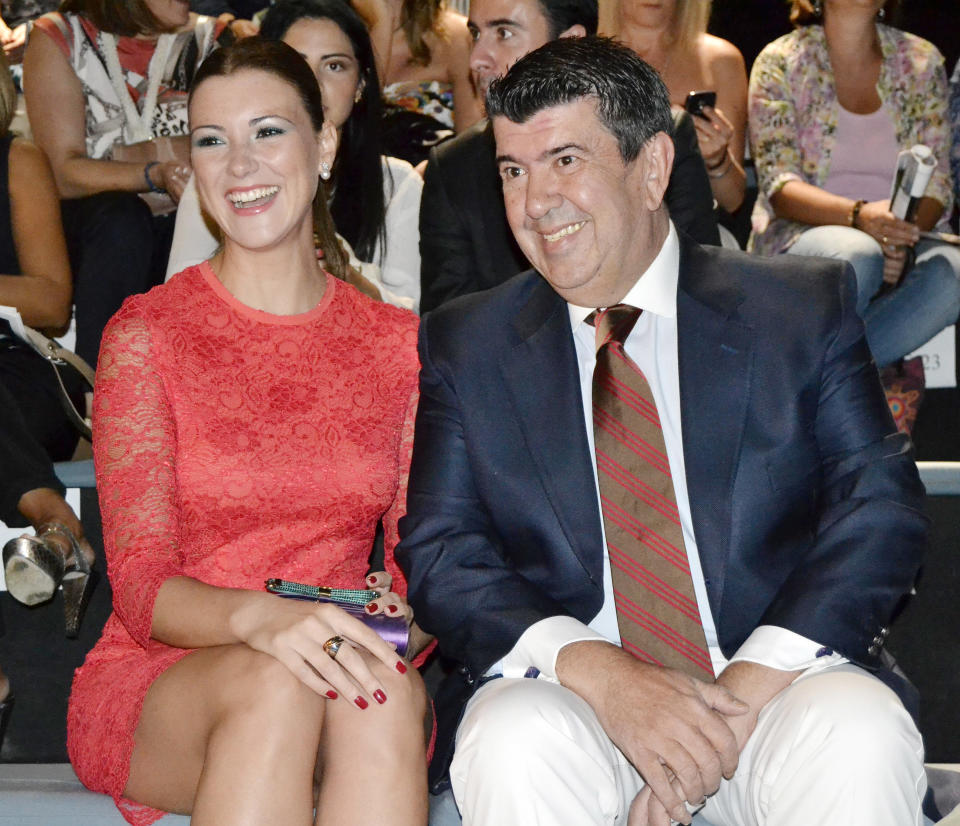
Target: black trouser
(117,249)
(34,429)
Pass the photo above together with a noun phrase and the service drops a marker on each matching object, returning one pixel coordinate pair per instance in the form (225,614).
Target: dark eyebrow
(550,153)
(338,54)
(492,24)
(253,122)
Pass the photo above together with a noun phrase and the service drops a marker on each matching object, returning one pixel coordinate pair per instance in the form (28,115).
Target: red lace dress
(232,445)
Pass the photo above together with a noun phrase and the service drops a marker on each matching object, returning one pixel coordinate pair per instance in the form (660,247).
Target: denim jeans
(897,322)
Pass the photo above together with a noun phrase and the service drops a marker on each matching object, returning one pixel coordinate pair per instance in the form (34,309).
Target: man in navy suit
(799,503)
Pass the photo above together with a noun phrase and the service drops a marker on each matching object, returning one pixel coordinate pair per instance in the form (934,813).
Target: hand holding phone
(696,101)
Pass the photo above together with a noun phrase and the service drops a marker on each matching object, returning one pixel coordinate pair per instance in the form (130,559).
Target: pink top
(865,156)
(233,445)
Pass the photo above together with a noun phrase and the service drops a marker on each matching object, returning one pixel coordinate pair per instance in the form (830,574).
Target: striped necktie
(656,606)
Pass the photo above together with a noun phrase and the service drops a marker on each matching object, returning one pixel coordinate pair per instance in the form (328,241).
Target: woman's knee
(256,685)
(940,269)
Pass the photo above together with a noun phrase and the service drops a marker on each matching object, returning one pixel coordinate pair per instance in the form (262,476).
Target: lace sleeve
(398,507)
(134,448)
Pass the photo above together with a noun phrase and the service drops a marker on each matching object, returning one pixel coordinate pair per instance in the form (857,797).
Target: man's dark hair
(562,14)
(631,99)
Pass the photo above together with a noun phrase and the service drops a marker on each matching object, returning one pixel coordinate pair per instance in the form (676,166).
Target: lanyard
(137,123)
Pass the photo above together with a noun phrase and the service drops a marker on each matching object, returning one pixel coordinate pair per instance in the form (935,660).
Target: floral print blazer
(793,114)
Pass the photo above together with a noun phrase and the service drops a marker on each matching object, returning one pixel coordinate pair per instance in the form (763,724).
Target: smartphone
(697,100)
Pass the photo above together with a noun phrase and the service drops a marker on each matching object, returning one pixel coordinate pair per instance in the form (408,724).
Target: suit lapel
(715,353)
(542,379)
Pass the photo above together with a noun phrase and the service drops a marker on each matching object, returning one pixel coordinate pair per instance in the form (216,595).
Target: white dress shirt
(652,344)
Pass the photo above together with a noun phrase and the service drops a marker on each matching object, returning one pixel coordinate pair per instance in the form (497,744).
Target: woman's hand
(295,632)
(14,40)
(394,605)
(171,176)
(714,132)
(894,260)
(890,232)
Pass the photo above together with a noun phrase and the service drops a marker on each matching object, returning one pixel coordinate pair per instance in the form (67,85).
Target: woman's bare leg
(231,736)
(374,764)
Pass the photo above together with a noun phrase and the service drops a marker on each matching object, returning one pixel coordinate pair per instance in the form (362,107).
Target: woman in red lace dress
(253,419)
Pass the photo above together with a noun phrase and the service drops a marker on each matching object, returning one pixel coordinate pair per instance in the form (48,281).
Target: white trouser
(835,747)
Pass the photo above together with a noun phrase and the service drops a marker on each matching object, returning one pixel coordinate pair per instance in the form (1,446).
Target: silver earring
(818,8)
(881,14)
(325,171)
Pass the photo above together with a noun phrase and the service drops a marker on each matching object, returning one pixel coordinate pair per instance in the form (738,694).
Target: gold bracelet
(855,213)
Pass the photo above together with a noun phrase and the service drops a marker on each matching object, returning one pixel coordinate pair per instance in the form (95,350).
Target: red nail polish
(379,696)
(392,609)
(372,579)
(332,695)
(372,606)
(361,703)
(401,667)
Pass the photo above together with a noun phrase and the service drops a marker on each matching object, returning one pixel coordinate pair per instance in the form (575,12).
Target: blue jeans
(926,301)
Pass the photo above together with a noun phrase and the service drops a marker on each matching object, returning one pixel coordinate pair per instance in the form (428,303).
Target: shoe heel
(77,588)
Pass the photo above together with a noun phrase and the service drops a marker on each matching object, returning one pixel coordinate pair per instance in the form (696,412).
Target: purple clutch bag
(391,629)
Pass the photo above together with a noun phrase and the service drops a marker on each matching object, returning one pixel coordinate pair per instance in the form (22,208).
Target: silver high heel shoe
(35,566)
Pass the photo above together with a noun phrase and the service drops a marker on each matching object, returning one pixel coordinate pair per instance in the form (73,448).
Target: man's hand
(756,685)
(662,720)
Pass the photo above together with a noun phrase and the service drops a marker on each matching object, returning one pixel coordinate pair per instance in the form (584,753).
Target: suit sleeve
(460,584)
(689,197)
(447,267)
(869,533)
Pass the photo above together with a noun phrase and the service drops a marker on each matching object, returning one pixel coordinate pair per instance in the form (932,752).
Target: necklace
(137,123)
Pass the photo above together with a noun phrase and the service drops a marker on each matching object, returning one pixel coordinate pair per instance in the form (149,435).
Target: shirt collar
(655,291)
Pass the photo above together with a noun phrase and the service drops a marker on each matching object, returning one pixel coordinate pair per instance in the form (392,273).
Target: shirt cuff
(785,650)
(540,644)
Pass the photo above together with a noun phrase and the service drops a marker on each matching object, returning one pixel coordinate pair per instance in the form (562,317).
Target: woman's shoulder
(178,297)
(800,39)
(58,27)
(398,173)
(452,40)
(916,50)
(716,49)
(389,327)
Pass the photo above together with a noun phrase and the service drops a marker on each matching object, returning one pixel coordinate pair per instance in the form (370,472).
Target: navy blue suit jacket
(805,501)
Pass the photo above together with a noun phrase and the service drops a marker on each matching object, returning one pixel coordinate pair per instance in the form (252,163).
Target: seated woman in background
(103,80)
(423,51)
(831,106)
(253,418)
(35,279)
(672,37)
(375,199)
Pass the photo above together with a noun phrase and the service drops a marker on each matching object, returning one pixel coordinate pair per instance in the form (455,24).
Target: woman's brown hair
(125,18)
(277,58)
(418,18)
(804,13)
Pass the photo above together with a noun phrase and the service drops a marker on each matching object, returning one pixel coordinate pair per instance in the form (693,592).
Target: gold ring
(332,646)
